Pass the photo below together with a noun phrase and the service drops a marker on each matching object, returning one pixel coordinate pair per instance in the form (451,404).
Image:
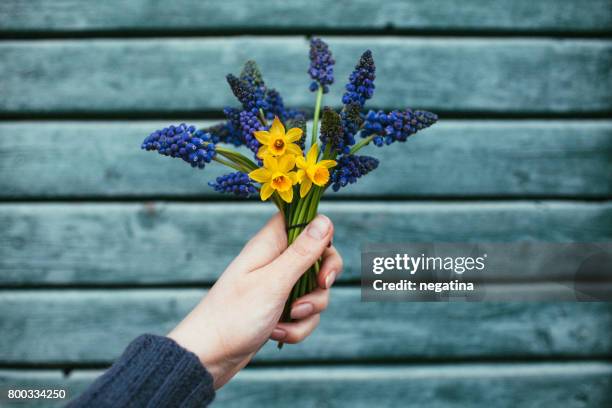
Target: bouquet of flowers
(285,169)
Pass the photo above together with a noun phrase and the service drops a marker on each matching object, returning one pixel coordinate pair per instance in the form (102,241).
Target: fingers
(312,303)
(303,253)
(331,268)
(265,246)
(295,332)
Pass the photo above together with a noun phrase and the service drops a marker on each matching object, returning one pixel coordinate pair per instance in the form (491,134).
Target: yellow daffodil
(276,175)
(275,142)
(312,172)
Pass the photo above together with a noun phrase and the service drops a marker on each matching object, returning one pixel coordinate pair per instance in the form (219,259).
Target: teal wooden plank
(102,322)
(186,15)
(452,158)
(120,243)
(187,74)
(464,385)
(567,384)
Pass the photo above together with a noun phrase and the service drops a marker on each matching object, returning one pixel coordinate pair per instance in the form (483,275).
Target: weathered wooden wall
(523,152)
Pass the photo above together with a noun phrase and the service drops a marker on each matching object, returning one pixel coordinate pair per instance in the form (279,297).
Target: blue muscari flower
(396,126)
(237,183)
(250,96)
(276,106)
(230,131)
(272,104)
(361,81)
(296,114)
(251,91)
(233,118)
(250,123)
(321,68)
(225,133)
(331,131)
(194,147)
(351,167)
(251,74)
(351,123)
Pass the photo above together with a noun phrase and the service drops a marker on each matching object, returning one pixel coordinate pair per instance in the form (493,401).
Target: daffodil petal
(277,130)
(300,162)
(320,176)
(294,149)
(305,187)
(294,177)
(270,163)
(286,163)
(261,153)
(294,134)
(261,175)
(328,163)
(313,154)
(266,191)
(286,195)
(300,175)
(263,136)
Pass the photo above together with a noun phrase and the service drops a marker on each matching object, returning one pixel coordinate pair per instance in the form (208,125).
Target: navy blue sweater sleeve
(153,371)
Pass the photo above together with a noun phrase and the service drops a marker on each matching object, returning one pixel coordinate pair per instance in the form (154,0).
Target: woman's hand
(241,311)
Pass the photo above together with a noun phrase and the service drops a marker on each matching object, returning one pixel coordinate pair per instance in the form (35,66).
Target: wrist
(201,345)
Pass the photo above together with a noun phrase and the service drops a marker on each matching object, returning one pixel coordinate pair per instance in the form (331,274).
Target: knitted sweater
(153,371)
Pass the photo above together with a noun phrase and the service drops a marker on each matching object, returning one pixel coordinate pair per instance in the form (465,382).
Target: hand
(241,311)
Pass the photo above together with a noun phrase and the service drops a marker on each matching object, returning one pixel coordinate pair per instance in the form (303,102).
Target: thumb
(264,247)
(302,253)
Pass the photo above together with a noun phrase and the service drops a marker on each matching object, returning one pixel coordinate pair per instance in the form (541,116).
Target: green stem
(315,121)
(327,154)
(362,143)
(237,157)
(299,218)
(262,117)
(227,163)
(247,164)
(315,203)
(303,211)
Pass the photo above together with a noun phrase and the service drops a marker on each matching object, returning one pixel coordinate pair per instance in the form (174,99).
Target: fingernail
(319,227)
(302,310)
(329,281)
(278,334)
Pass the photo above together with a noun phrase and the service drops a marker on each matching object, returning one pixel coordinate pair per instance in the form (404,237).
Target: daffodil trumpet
(284,168)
